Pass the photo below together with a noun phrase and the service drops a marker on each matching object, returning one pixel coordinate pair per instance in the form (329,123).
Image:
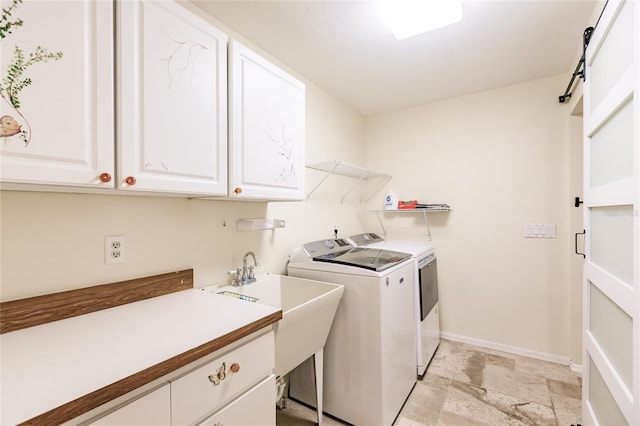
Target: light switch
(539,230)
(528,230)
(550,230)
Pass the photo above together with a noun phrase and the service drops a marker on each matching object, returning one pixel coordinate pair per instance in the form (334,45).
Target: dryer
(369,357)
(427,317)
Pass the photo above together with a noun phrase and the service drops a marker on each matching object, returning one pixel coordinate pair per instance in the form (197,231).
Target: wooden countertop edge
(101,396)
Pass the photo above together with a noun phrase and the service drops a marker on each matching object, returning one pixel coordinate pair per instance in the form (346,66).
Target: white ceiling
(343,47)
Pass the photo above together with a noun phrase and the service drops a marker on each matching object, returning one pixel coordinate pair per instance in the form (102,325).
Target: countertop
(46,366)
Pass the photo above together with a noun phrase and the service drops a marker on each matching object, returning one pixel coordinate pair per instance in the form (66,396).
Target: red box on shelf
(402,205)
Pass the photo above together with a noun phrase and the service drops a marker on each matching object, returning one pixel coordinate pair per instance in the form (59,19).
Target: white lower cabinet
(255,407)
(236,388)
(153,409)
(227,379)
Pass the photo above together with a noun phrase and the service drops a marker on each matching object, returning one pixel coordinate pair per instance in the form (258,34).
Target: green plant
(6,26)
(16,80)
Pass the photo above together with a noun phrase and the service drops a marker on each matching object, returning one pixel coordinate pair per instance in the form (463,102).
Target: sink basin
(308,308)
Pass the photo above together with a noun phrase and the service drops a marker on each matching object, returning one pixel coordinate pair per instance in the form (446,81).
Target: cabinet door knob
(237,191)
(130,180)
(105,177)
(235,367)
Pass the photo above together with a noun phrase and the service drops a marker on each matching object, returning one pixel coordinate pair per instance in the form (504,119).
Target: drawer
(257,407)
(207,388)
(152,410)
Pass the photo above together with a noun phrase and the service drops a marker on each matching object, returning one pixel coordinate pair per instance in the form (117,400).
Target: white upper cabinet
(172,105)
(56,76)
(168,133)
(267,129)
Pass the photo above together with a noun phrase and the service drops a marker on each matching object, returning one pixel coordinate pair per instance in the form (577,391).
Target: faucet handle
(251,274)
(238,274)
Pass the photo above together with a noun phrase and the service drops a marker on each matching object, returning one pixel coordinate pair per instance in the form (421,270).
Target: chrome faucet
(248,275)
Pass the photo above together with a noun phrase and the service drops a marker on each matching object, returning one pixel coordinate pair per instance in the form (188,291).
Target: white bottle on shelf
(391,201)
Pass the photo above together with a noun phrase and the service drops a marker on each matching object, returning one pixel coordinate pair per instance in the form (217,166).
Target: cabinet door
(256,407)
(267,119)
(153,409)
(56,79)
(172,113)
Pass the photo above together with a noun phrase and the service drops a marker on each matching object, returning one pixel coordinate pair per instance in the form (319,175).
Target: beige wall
(500,159)
(52,242)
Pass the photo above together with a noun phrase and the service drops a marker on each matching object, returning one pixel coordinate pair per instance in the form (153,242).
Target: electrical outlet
(114,249)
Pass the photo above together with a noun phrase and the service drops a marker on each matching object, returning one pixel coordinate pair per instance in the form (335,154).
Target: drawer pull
(219,375)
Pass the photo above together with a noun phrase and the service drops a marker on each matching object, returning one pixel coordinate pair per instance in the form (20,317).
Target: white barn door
(611,381)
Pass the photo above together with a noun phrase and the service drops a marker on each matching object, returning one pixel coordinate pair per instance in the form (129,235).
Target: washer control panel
(324,247)
(365,239)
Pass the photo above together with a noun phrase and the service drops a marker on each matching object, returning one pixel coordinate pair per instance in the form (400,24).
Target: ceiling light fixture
(407,18)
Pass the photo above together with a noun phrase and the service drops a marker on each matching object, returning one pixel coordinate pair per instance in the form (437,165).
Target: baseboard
(576,368)
(510,349)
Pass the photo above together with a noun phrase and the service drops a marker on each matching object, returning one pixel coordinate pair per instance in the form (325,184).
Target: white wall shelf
(341,168)
(424,212)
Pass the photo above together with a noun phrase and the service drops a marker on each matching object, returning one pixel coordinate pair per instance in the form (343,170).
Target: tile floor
(468,385)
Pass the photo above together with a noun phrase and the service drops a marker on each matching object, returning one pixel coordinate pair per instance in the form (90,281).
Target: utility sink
(308,308)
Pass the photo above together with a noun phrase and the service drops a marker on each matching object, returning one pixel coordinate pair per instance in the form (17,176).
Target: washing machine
(369,356)
(427,318)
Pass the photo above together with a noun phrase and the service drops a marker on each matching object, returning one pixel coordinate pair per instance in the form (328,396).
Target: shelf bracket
(426,221)
(329,173)
(352,187)
(384,231)
(398,211)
